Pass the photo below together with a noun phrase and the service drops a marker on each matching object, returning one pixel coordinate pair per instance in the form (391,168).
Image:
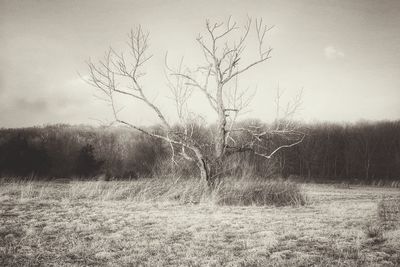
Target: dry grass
(61,224)
(229,191)
(389,212)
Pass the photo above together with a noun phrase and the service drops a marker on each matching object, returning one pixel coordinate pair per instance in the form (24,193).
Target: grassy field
(55,224)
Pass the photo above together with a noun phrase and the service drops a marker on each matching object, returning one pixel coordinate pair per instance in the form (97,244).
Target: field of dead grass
(55,224)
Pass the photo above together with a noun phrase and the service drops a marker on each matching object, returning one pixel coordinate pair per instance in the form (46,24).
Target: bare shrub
(269,192)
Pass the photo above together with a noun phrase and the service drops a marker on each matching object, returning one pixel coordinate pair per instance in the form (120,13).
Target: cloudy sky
(345,54)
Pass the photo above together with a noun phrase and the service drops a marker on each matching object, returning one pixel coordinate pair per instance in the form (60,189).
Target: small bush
(269,192)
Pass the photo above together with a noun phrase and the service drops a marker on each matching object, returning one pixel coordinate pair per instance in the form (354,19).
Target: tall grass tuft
(27,188)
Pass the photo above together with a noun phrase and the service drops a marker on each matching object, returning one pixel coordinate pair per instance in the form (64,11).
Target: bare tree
(223,47)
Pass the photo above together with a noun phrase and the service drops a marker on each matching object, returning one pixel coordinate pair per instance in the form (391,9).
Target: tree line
(63,151)
(361,152)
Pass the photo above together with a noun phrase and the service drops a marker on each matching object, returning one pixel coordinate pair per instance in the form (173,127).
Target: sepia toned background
(345,54)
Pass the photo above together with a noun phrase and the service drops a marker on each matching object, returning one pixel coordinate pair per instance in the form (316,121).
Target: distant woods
(362,153)
(63,151)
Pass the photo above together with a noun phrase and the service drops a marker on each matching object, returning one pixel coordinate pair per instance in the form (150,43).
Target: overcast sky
(345,54)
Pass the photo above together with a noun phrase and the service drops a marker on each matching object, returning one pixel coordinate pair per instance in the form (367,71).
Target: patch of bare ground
(340,227)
